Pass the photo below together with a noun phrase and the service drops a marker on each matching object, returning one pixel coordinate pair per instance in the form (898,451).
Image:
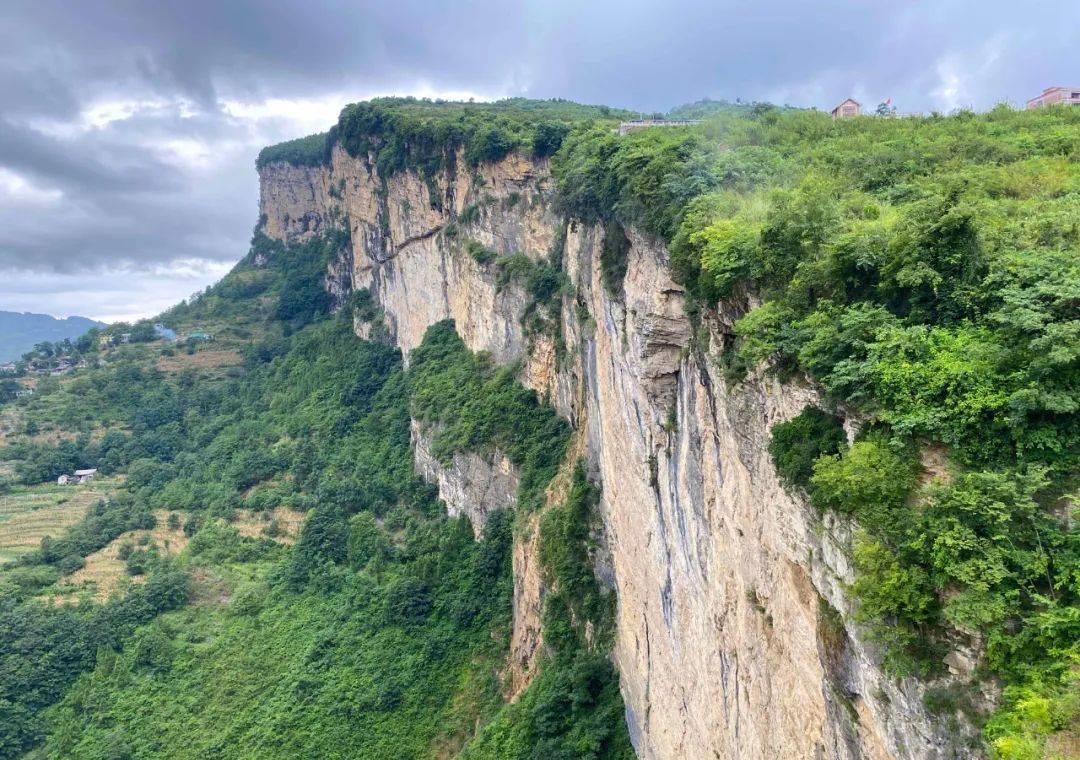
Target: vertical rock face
(293,200)
(733,634)
(525,637)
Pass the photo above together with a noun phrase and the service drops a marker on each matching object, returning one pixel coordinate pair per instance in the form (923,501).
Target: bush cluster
(313,150)
(424,136)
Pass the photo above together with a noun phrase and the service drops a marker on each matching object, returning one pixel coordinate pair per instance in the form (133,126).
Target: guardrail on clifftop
(632,126)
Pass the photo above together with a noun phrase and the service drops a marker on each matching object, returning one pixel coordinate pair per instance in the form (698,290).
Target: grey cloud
(125,202)
(630,51)
(92,164)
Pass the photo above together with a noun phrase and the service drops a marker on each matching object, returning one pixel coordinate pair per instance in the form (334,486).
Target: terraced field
(28,514)
(105,573)
(212,361)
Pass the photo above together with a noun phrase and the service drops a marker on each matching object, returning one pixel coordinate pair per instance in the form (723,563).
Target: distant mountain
(20,331)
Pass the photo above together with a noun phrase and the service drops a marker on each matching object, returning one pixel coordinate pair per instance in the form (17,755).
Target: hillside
(756,438)
(19,332)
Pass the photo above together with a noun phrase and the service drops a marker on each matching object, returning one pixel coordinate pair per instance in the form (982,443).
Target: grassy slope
(275,674)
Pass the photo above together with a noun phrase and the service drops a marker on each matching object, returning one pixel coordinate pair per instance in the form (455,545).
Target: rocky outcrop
(294,201)
(470,484)
(526,636)
(734,635)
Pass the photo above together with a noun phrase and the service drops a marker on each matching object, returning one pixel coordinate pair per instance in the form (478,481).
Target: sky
(129,128)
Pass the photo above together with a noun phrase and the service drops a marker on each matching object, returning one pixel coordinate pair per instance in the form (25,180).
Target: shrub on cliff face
(902,596)
(798,443)
(303,296)
(477,406)
(573,708)
(868,479)
(479,252)
(614,258)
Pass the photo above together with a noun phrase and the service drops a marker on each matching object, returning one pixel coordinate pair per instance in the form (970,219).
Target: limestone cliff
(734,637)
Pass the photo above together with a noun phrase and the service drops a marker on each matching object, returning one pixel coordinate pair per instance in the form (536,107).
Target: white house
(84,476)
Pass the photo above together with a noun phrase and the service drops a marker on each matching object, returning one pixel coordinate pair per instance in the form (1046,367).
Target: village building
(1054,96)
(24,393)
(847,109)
(104,341)
(79,476)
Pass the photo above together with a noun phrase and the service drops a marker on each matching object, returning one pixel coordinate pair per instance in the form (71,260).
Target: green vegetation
(388,653)
(312,150)
(331,414)
(421,135)
(545,284)
(706,108)
(29,513)
(146,415)
(577,600)
(42,650)
(274,286)
(382,629)
(480,253)
(103,522)
(166,432)
(798,443)
(425,135)
(613,257)
(573,709)
(924,272)
(474,405)
(603,176)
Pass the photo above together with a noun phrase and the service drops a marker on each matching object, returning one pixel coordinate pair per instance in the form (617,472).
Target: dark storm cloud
(128,128)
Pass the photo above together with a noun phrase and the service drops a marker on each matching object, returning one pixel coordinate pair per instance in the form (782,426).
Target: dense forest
(923,273)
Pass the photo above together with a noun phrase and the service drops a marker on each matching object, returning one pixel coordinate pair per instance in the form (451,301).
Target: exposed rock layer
(725,645)
(470,484)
